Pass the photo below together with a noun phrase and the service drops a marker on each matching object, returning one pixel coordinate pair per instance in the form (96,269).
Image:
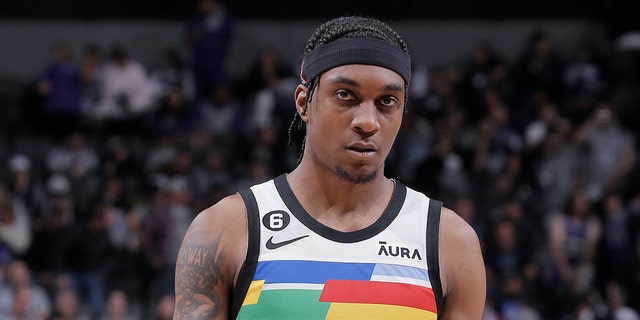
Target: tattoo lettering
(197,275)
(193,256)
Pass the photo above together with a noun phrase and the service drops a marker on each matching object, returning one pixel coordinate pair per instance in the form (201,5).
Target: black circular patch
(276,220)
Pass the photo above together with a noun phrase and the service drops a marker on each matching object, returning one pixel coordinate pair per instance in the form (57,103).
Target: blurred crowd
(111,160)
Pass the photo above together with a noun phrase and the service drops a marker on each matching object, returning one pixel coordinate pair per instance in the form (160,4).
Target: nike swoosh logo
(275,245)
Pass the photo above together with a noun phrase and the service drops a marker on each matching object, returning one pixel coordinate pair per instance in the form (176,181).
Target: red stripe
(399,294)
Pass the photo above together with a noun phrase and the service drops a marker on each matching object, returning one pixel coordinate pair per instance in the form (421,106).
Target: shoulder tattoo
(198,273)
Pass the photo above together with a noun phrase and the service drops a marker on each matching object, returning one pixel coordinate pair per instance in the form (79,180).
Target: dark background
(618,15)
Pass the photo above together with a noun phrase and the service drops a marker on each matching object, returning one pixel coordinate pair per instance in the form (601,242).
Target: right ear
(301,100)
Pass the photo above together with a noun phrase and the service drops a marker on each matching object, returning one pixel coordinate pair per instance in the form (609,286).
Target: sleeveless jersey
(298,268)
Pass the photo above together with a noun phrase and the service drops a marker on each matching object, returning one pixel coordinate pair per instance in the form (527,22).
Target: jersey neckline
(388,215)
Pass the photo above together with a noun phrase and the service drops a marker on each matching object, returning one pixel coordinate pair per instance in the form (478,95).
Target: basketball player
(335,238)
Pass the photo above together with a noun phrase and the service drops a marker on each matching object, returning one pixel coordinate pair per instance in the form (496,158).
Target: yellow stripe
(364,311)
(253,294)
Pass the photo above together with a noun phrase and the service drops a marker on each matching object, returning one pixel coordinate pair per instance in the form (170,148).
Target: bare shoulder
(210,256)
(461,268)
(224,223)
(227,215)
(457,232)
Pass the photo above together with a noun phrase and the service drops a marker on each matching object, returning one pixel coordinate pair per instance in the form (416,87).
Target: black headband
(355,51)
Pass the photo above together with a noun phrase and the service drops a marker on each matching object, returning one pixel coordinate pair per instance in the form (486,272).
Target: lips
(362,151)
(362,147)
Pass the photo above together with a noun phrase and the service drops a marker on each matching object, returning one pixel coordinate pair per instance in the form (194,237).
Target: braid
(339,28)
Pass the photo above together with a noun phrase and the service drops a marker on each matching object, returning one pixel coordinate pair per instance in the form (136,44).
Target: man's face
(353,119)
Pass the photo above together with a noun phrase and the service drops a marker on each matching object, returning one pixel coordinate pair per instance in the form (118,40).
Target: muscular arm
(208,261)
(461,268)
(198,274)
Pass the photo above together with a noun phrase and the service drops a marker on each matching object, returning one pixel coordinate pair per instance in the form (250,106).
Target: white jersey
(298,268)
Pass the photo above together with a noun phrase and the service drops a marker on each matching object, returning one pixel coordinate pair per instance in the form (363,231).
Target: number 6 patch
(276,220)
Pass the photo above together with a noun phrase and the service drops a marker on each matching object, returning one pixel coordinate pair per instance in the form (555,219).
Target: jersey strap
(253,251)
(433,263)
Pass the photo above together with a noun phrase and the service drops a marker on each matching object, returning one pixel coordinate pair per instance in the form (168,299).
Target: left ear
(301,100)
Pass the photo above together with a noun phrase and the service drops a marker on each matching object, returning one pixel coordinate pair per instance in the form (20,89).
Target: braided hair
(340,28)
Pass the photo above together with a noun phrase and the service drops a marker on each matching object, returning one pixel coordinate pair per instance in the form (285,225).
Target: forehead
(360,74)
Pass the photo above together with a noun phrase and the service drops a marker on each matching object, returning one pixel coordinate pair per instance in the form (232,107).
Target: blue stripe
(400,271)
(315,272)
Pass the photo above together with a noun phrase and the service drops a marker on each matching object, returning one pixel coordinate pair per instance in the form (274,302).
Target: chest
(306,270)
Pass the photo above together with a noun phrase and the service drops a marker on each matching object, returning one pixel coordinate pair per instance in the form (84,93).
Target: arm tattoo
(197,274)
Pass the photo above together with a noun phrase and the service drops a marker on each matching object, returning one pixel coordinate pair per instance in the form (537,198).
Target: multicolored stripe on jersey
(286,289)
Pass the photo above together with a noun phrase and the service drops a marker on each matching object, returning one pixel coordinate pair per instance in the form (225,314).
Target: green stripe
(286,304)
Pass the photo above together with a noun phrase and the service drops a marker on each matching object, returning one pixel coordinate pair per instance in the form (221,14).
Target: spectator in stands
(183,167)
(536,130)
(75,157)
(506,139)
(174,114)
(78,162)
(86,252)
(477,80)
(539,68)
(58,201)
(449,180)
(114,194)
(21,298)
(514,305)
(589,306)
(574,235)
(214,172)
(60,85)
(266,70)
(616,296)
(527,227)
(609,152)
(256,171)
(164,228)
(15,227)
(66,306)
(124,233)
(200,142)
(215,166)
(129,264)
(91,79)
(44,255)
(161,154)
(173,96)
(117,307)
(24,184)
(171,75)
(272,85)
(507,256)
(221,113)
(122,162)
(555,168)
(126,94)
(583,74)
(208,37)
(617,247)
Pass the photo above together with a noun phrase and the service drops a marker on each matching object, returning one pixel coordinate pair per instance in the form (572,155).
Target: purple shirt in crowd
(64,97)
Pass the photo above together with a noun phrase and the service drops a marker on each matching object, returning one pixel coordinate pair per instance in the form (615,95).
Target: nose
(365,120)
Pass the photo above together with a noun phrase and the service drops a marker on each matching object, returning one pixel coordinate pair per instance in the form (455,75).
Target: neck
(338,203)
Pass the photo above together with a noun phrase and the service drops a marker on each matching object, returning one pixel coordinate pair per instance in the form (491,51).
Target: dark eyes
(384,102)
(344,95)
(389,102)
